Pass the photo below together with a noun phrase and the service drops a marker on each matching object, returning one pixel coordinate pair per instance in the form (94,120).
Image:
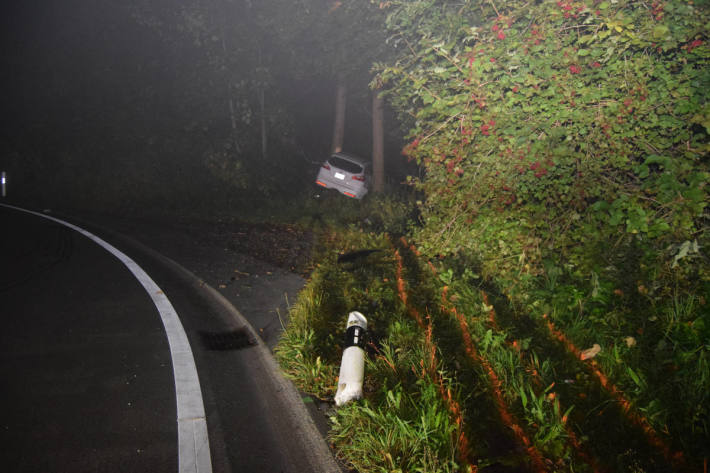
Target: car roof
(352,158)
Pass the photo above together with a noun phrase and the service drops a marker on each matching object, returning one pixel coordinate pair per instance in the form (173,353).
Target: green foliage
(564,147)
(542,126)
(301,348)
(410,431)
(653,351)
(564,155)
(311,346)
(376,213)
(654,342)
(403,424)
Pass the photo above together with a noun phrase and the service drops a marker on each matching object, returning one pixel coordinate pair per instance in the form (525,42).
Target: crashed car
(348,174)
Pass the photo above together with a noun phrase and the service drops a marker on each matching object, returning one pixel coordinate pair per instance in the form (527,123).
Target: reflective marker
(352,366)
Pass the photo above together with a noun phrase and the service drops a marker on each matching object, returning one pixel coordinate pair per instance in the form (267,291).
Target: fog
(169,103)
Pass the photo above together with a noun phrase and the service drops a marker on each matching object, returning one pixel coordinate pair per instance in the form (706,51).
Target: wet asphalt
(85,371)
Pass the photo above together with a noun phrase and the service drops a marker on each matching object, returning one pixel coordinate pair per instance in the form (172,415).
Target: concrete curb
(314,446)
(309,441)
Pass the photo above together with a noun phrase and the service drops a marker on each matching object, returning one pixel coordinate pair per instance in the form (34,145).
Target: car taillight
(359,178)
(326,166)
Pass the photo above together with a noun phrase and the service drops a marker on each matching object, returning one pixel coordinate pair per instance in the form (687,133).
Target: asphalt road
(86,375)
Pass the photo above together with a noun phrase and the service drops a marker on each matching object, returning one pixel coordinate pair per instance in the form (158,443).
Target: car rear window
(345,165)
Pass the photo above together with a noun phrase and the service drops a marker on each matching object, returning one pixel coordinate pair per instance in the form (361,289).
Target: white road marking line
(193,442)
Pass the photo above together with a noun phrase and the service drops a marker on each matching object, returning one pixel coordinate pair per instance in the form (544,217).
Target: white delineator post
(352,367)
(3,183)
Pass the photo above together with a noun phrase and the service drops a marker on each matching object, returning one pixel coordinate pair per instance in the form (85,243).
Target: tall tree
(378,143)
(339,119)
(329,39)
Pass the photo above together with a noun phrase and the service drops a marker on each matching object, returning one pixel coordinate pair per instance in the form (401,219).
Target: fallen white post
(352,367)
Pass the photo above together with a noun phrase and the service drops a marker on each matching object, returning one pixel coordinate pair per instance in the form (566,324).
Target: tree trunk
(339,122)
(261,96)
(230,97)
(378,144)
(262,106)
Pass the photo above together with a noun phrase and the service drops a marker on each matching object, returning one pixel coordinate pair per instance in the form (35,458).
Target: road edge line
(193,442)
(314,447)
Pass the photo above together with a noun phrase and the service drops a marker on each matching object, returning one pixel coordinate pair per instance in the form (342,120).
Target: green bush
(554,127)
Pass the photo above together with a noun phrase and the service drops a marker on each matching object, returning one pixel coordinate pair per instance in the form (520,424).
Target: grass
(471,374)
(403,419)
(399,430)
(654,357)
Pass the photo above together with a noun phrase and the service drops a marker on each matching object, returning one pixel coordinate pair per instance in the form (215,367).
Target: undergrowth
(403,423)
(494,372)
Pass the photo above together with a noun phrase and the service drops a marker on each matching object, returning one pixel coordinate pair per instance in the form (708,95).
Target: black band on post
(355,337)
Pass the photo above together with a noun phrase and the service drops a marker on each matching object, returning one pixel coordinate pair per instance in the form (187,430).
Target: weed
(410,431)
(461,373)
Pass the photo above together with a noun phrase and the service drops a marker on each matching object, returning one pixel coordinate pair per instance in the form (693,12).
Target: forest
(537,290)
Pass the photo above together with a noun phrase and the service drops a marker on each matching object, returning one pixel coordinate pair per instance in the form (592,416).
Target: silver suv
(348,174)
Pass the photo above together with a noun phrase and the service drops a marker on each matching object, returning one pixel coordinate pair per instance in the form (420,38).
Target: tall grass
(404,423)
(297,350)
(407,427)
(464,375)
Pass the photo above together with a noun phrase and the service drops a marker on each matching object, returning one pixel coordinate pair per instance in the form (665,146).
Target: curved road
(87,373)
